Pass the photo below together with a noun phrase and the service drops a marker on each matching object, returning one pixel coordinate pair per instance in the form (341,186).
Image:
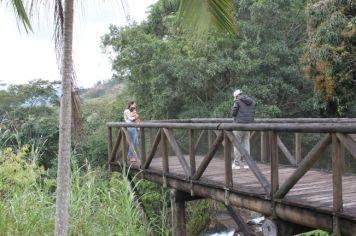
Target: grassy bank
(99,204)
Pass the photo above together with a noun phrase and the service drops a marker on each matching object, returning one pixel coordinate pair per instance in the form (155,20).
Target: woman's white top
(127,116)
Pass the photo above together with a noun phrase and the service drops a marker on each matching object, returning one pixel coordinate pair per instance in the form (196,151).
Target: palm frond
(21,14)
(202,15)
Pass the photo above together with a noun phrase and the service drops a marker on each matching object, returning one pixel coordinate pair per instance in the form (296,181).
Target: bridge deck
(313,191)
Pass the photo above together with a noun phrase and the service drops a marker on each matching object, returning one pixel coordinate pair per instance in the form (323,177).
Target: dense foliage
(330,57)
(29,115)
(172,75)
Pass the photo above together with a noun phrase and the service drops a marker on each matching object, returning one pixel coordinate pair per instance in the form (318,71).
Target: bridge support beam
(178,214)
(178,200)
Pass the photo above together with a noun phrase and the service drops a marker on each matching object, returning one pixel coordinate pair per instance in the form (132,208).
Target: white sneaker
(235,167)
(246,167)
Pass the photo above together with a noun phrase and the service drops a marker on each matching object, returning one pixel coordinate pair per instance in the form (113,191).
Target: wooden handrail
(261,120)
(278,127)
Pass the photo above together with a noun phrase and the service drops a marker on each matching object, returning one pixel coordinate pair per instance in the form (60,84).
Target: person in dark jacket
(243,111)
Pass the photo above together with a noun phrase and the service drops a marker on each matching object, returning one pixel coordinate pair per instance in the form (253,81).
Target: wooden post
(227,158)
(178,214)
(264,138)
(143,147)
(337,164)
(109,146)
(164,153)
(191,152)
(298,147)
(124,148)
(274,162)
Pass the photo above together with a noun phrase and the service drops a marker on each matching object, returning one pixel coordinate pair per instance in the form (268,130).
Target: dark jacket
(243,110)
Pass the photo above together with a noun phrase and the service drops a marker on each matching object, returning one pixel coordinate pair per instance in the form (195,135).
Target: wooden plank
(306,164)
(298,147)
(251,163)
(337,174)
(315,193)
(264,148)
(348,142)
(156,141)
(285,151)
(143,146)
(203,165)
(116,146)
(124,147)
(164,149)
(191,152)
(177,151)
(273,142)
(227,159)
(210,138)
(309,187)
(109,145)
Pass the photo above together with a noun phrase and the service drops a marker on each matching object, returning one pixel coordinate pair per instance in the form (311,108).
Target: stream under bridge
(301,173)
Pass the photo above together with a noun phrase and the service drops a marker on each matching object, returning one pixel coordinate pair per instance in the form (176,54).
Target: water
(217,232)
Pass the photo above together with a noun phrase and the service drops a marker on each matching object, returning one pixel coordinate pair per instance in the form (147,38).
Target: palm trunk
(64,148)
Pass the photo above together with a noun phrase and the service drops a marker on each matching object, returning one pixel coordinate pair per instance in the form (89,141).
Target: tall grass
(100,204)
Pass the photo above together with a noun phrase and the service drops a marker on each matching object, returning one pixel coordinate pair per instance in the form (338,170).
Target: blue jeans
(134,139)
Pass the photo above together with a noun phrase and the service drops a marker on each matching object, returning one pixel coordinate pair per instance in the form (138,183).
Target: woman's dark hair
(130,104)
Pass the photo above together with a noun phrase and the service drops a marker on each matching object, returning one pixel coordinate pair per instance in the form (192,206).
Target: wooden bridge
(300,176)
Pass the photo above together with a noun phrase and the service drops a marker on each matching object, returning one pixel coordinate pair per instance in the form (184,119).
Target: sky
(25,57)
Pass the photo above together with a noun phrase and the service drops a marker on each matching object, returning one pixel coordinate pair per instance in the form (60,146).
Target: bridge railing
(159,138)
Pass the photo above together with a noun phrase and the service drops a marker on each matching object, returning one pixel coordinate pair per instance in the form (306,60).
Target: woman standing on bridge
(130,116)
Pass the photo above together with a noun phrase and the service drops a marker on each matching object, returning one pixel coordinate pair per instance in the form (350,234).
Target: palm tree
(63,44)
(65,117)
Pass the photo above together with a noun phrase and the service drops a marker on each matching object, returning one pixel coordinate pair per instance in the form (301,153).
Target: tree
(330,55)
(29,115)
(65,118)
(63,43)
(173,75)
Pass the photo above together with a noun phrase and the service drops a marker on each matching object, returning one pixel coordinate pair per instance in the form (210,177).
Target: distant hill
(101,89)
